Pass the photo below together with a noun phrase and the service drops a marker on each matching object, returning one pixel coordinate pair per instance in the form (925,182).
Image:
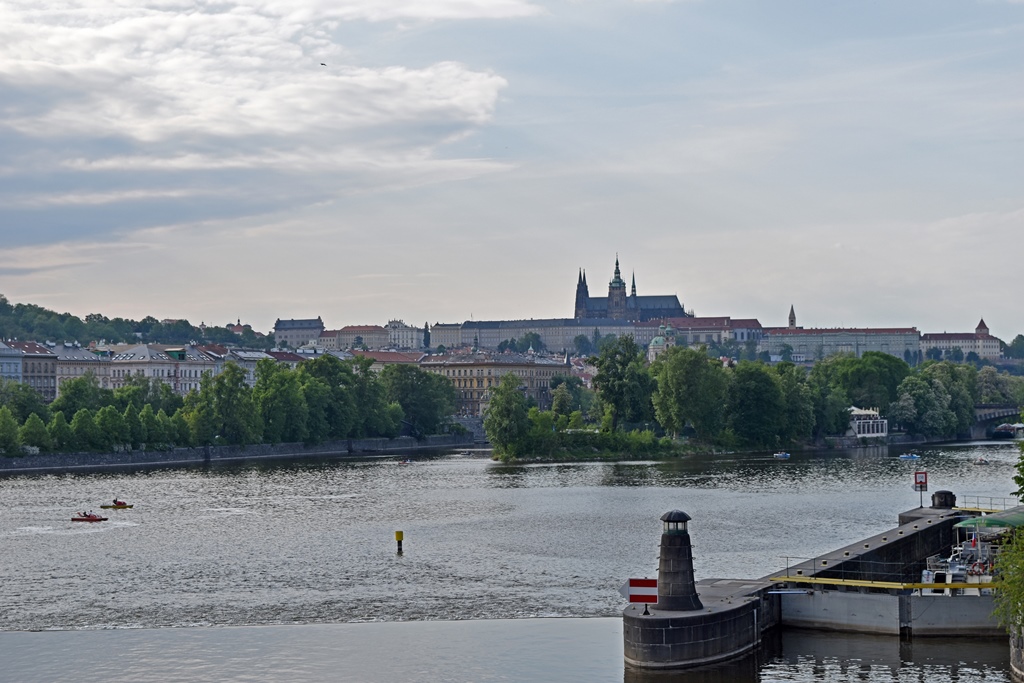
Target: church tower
(582,295)
(617,295)
(792,317)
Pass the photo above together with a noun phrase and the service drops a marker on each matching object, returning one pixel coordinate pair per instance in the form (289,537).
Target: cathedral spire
(633,291)
(792,317)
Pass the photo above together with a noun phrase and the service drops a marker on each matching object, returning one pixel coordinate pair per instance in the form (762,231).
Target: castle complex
(618,306)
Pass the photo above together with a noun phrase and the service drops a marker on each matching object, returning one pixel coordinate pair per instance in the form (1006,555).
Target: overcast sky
(437,160)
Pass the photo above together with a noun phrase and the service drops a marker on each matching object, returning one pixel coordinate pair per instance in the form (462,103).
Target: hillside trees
(424,399)
(691,388)
(624,383)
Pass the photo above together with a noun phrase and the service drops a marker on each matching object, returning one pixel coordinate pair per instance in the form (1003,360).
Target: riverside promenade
(182,457)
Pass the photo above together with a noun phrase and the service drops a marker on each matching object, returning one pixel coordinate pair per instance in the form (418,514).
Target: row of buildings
(46,367)
(656,322)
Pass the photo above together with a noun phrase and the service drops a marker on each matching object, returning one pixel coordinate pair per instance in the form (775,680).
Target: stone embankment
(68,462)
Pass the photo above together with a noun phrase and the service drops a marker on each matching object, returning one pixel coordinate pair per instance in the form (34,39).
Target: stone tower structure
(582,295)
(617,295)
(677,590)
(792,317)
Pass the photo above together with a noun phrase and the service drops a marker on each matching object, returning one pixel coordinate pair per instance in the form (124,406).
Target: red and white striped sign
(640,590)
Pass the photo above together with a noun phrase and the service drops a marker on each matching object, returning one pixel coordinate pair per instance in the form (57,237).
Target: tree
(83,426)
(317,395)
(923,407)
(33,433)
(797,404)
(152,429)
(22,400)
(582,344)
(561,400)
(691,388)
(340,410)
(624,385)
(81,392)
(111,428)
(10,444)
(426,336)
(133,425)
(755,404)
(237,420)
(61,436)
(582,397)
(506,421)
(531,340)
(426,399)
(373,415)
(280,402)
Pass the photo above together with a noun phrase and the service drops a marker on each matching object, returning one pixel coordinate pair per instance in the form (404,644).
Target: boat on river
(88,518)
(781,455)
(120,505)
(910,456)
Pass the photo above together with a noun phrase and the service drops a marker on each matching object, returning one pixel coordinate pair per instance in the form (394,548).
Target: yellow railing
(878,584)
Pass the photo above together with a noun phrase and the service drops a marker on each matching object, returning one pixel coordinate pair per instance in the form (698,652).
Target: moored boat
(781,455)
(910,456)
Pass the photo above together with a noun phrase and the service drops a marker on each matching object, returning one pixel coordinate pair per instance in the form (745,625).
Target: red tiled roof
(285,356)
(363,328)
(29,348)
(956,336)
(785,331)
(390,356)
(746,323)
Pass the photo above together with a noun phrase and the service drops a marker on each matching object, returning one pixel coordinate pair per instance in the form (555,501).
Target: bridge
(990,415)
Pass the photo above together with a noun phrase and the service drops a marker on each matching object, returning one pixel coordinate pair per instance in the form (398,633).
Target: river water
(306,549)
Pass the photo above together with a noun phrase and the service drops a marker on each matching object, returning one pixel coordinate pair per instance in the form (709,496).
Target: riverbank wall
(77,462)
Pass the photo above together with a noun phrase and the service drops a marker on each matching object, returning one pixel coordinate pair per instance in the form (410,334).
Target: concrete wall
(879,613)
(57,462)
(842,611)
(687,640)
(1017,657)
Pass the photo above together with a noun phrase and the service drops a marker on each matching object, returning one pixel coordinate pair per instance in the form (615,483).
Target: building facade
(981,342)
(38,367)
(358,336)
(474,375)
(297,332)
(73,361)
(402,336)
(815,344)
(619,305)
(10,363)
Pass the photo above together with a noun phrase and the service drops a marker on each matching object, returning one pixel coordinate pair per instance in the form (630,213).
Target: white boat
(910,456)
(781,455)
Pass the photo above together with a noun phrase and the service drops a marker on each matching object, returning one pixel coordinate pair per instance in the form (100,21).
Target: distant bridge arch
(987,416)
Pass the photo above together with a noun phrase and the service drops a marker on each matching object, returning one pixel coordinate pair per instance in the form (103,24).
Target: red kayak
(89,518)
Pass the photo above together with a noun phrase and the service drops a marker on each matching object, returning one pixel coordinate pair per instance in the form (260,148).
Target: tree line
(32,322)
(323,399)
(751,403)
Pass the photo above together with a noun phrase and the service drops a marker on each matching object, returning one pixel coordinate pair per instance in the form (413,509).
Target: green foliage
(755,405)
(426,335)
(1009,594)
(61,436)
(28,321)
(33,433)
(152,431)
(583,346)
(561,400)
(133,425)
(81,392)
(506,421)
(317,396)
(86,434)
(426,399)
(372,415)
(281,403)
(797,404)
(691,389)
(112,432)
(623,382)
(339,410)
(10,444)
(22,400)
(583,399)
(237,421)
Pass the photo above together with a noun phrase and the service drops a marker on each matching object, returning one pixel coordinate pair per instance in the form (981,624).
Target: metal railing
(986,503)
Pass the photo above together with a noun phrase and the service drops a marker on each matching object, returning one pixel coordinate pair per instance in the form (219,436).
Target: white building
(402,336)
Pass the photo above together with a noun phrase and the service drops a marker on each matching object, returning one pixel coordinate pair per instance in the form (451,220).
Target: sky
(446,160)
